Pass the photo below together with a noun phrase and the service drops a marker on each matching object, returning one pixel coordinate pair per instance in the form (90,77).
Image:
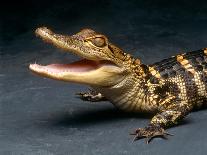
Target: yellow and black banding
(179,75)
(190,86)
(185,64)
(154,72)
(198,61)
(165,68)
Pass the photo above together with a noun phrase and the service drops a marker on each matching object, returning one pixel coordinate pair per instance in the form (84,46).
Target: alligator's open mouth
(101,73)
(79,67)
(93,69)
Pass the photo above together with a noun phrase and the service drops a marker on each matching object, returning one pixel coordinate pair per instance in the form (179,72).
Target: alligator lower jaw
(98,73)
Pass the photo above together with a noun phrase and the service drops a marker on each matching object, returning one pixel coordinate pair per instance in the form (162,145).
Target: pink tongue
(78,66)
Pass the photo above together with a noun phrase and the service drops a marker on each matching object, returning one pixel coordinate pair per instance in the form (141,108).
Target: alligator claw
(150,132)
(91,96)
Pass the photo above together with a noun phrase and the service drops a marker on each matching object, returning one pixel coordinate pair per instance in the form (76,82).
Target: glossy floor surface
(43,116)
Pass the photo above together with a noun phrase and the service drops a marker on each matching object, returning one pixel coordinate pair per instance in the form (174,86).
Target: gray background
(42,116)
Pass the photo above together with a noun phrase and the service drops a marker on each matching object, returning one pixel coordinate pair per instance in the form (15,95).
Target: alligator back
(177,65)
(184,75)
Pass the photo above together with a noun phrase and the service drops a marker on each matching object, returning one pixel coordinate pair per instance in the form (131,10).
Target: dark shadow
(100,116)
(182,122)
(93,117)
(203,107)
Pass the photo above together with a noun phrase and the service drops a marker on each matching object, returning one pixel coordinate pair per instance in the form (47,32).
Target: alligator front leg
(91,96)
(167,117)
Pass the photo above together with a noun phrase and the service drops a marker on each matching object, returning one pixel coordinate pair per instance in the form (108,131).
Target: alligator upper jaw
(91,70)
(72,44)
(94,73)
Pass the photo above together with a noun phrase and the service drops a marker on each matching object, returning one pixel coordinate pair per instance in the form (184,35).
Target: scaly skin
(170,89)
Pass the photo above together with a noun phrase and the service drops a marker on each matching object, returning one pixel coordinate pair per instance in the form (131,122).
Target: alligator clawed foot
(91,96)
(150,132)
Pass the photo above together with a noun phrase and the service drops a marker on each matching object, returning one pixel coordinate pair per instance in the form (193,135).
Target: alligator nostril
(42,31)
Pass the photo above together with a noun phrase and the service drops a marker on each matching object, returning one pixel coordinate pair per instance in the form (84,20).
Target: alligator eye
(99,41)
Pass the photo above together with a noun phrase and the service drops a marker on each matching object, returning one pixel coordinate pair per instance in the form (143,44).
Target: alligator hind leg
(91,96)
(167,117)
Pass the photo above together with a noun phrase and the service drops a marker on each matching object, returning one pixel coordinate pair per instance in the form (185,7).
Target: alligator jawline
(80,66)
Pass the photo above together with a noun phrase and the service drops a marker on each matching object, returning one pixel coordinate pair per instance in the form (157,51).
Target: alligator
(169,89)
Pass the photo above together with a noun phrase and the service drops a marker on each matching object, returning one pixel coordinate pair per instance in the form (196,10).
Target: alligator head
(103,63)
